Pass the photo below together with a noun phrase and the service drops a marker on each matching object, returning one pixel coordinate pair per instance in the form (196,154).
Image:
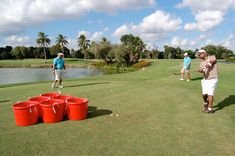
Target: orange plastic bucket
(52,110)
(77,108)
(50,95)
(38,100)
(64,98)
(26,113)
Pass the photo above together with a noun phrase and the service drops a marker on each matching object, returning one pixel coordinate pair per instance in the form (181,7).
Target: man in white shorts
(210,79)
(58,67)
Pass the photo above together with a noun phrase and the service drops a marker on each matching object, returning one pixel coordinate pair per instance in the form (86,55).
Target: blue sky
(189,24)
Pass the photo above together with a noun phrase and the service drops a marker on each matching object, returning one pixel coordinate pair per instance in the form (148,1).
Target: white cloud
(93,37)
(153,27)
(197,5)
(15,40)
(205,21)
(186,43)
(229,42)
(124,29)
(178,42)
(208,13)
(16,15)
(97,36)
(73,43)
(106,29)
(86,33)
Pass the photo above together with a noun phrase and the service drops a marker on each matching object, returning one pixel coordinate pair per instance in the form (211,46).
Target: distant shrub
(141,64)
(231,59)
(99,64)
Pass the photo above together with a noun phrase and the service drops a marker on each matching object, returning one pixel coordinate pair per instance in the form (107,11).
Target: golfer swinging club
(210,79)
(58,67)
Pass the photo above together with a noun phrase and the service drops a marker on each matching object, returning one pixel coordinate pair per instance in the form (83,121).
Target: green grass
(159,115)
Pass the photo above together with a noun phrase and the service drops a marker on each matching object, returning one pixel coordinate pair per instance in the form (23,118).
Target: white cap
(201,51)
(185,54)
(60,54)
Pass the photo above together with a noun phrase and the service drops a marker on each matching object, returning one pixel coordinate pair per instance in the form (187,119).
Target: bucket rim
(56,102)
(28,104)
(81,101)
(39,97)
(49,93)
(64,97)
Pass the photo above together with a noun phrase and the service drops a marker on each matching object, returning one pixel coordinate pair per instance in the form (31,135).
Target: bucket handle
(53,107)
(34,108)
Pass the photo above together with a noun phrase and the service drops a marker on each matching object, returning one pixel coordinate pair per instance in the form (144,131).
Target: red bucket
(50,95)
(64,98)
(38,100)
(26,113)
(52,111)
(77,108)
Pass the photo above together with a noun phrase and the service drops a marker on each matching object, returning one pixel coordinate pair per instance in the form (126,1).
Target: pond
(18,75)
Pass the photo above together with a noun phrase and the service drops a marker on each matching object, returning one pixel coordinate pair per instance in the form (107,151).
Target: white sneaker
(52,86)
(188,80)
(181,79)
(61,86)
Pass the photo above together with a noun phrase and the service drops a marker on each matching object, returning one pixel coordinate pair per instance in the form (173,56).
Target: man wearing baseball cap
(58,67)
(186,67)
(210,79)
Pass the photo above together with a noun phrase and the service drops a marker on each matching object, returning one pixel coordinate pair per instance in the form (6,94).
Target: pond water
(18,75)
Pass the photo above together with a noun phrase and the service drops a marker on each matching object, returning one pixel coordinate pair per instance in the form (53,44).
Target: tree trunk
(62,48)
(85,54)
(45,54)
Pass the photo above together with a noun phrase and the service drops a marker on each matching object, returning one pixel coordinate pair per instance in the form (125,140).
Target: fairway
(153,114)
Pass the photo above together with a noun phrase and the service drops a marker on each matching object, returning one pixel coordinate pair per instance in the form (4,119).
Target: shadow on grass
(5,101)
(228,101)
(87,84)
(196,78)
(94,112)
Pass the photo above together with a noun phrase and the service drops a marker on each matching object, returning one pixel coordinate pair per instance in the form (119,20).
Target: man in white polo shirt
(210,79)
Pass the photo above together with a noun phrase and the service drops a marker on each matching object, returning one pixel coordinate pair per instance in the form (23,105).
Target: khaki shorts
(59,74)
(208,86)
(184,70)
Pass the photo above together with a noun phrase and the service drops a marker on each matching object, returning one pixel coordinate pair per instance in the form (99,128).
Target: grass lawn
(158,115)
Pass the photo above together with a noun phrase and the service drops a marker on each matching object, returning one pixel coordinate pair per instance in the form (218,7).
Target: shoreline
(44,66)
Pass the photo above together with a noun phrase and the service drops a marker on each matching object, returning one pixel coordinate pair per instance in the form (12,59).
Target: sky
(189,24)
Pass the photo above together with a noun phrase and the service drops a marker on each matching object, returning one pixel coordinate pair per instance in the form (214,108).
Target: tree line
(131,49)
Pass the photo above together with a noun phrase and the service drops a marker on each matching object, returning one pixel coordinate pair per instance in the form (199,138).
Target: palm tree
(61,41)
(135,46)
(43,41)
(84,44)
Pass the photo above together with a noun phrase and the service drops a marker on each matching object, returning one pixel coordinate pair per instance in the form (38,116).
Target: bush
(100,64)
(141,64)
(231,59)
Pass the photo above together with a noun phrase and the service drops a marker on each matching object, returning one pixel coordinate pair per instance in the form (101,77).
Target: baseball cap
(200,51)
(185,54)
(60,54)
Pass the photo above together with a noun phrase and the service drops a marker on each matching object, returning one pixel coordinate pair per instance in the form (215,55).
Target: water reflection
(17,75)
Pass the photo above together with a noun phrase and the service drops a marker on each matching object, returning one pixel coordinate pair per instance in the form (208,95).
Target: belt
(211,78)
